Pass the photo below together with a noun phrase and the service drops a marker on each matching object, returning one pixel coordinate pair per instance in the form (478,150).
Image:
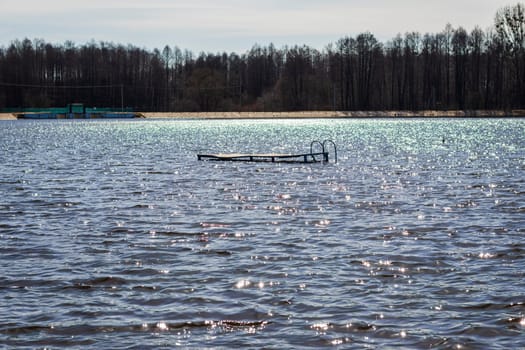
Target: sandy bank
(7,116)
(324,114)
(336,114)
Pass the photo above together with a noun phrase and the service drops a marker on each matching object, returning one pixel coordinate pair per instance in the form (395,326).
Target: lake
(113,235)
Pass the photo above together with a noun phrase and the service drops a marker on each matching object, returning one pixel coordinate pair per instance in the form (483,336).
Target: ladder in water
(312,157)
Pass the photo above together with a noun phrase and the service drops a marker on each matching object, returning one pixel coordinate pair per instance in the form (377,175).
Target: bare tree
(510,25)
(447,70)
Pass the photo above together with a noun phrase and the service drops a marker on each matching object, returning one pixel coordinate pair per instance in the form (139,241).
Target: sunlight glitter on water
(406,242)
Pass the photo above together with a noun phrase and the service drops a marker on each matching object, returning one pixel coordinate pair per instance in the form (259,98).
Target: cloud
(231,25)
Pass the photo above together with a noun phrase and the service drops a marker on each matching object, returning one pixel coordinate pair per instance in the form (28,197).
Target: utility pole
(122,97)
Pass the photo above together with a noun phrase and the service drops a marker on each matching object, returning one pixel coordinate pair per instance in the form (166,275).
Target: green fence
(62,110)
(34,110)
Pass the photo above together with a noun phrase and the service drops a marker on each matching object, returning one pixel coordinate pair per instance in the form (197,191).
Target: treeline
(453,69)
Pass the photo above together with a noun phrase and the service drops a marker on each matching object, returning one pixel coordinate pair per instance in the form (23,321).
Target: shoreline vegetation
(450,70)
(516,113)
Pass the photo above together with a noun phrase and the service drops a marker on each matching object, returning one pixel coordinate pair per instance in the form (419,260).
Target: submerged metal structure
(322,155)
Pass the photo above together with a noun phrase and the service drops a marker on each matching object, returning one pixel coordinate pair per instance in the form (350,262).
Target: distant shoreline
(517,113)
(338,114)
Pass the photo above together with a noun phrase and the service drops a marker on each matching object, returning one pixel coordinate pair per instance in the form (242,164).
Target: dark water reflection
(113,235)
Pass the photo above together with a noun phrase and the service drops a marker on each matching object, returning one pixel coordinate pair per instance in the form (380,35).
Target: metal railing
(324,145)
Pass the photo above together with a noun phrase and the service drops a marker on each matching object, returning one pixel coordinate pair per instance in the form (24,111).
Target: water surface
(113,235)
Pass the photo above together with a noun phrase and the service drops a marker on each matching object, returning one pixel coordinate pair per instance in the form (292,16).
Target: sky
(234,25)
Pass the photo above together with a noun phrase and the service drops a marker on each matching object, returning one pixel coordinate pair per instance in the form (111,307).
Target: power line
(61,86)
(36,86)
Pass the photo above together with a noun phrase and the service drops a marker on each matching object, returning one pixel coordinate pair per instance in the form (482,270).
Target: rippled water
(113,235)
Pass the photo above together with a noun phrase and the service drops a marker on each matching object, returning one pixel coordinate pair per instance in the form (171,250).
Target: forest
(450,70)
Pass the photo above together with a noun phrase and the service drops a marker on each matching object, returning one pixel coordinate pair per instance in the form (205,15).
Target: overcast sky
(233,25)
